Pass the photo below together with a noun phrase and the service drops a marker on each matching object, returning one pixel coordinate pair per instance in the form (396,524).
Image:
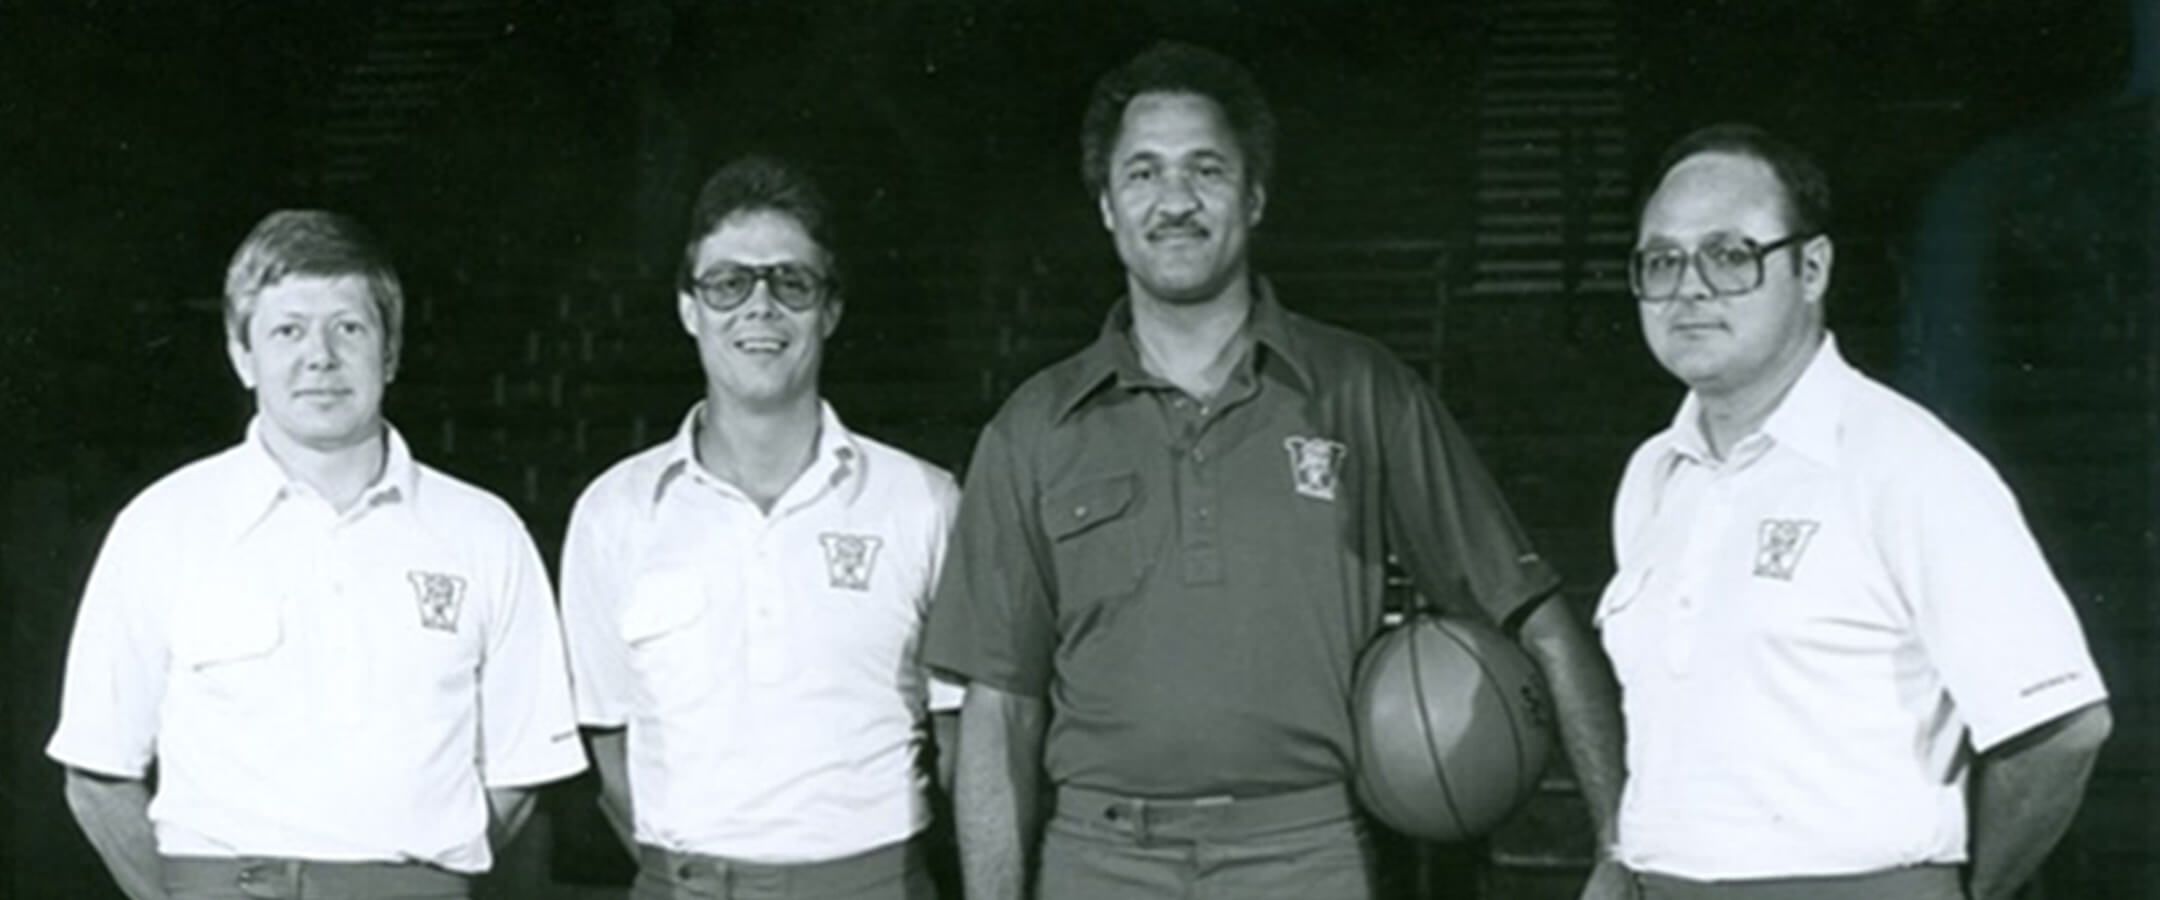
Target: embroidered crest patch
(1315,465)
(1779,546)
(439,596)
(850,559)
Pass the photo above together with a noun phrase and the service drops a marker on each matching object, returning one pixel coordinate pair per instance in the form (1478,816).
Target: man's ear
(833,308)
(1102,206)
(686,309)
(1816,259)
(242,359)
(1255,204)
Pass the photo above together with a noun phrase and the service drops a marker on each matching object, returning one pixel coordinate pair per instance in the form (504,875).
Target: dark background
(1455,178)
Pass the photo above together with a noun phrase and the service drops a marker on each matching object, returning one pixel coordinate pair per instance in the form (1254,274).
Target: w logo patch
(1779,545)
(439,597)
(1315,465)
(850,559)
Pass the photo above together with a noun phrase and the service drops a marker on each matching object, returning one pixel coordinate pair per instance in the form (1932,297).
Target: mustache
(1178,226)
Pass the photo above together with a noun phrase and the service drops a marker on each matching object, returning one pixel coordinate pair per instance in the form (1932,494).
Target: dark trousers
(896,872)
(260,878)
(1303,845)
(1915,883)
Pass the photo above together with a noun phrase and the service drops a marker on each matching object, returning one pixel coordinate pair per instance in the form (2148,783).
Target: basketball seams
(1515,736)
(1433,752)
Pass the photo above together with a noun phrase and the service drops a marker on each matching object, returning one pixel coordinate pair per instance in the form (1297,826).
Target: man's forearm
(995,798)
(610,755)
(114,814)
(2024,795)
(1586,700)
(945,741)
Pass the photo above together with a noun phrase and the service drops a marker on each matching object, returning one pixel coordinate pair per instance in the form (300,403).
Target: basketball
(1454,725)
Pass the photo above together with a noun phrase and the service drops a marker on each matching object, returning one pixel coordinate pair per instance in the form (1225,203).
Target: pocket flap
(227,629)
(1620,593)
(1088,504)
(660,603)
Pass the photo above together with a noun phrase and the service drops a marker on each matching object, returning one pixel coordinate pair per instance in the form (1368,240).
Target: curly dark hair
(1177,68)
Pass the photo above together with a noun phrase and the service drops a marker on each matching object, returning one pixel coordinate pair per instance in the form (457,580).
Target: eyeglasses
(1728,265)
(797,286)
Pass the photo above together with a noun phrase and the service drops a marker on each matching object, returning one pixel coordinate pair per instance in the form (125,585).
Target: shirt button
(1080,512)
(1203,512)
(1199,455)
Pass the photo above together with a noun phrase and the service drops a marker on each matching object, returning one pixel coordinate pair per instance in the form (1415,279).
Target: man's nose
(1693,286)
(761,302)
(320,349)
(1178,194)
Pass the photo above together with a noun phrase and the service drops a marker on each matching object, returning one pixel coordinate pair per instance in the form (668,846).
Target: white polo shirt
(1807,633)
(765,665)
(315,685)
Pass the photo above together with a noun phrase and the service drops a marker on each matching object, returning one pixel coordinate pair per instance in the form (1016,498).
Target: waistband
(1929,882)
(1220,816)
(838,876)
(284,876)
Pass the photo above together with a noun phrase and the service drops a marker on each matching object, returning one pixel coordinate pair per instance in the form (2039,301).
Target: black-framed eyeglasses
(1728,265)
(796,286)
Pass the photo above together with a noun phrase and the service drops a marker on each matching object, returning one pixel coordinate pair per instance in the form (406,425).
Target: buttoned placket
(1194,460)
(1710,535)
(762,582)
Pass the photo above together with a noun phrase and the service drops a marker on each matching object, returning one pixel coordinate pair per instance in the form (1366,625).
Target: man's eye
(286,331)
(1661,261)
(731,282)
(351,327)
(1139,174)
(1729,256)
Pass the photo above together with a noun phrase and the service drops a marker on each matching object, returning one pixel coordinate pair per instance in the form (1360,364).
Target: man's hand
(1609,880)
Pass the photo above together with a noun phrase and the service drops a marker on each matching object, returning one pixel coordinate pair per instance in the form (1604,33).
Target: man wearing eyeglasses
(1847,672)
(743,600)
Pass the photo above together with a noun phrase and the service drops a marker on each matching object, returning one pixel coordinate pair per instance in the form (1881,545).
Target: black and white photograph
(1017,450)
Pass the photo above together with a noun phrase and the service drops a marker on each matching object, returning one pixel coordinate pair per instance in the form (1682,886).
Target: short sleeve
(990,621)
(594,582)
(944,695)
(117,657)
(528,733)
(1446,517)
(1994,621)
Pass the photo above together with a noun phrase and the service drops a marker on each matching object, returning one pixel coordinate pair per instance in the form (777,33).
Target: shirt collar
(838,457)
(1806,420)
(1113,355)
(262,483)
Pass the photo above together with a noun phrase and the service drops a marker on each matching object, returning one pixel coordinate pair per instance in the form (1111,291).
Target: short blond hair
(318,244)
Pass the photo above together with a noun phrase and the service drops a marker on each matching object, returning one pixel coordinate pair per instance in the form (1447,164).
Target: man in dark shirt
(1171,548)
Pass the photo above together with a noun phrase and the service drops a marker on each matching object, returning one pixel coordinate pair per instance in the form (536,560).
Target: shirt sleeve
(1994,621)
(944,695)
(1446,517)
(990,621)
(117,657)
(594,582)
(528,734)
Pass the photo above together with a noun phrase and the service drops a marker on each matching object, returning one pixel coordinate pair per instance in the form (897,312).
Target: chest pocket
(659,628)
(1619,618)
(1094,538)
(225,639)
